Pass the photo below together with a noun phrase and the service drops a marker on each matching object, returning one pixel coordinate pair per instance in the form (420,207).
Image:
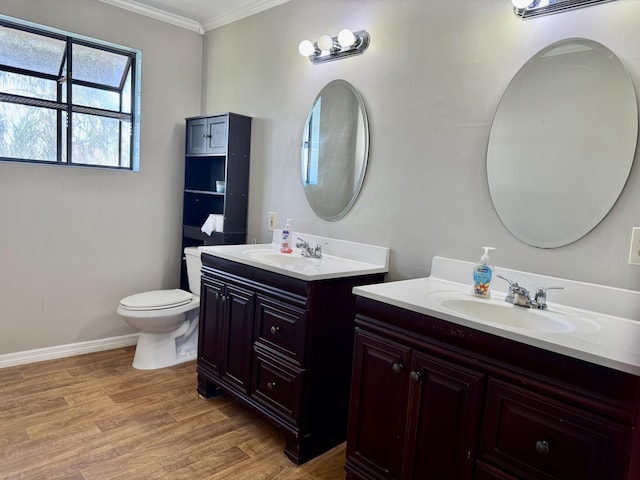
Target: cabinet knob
(224,298)
(271,385)
(542,447)
(275,329)
(397,367)
(415,376)
(217,296)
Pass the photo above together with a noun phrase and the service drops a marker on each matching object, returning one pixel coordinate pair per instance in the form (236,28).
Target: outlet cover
(272,221)
(634,251)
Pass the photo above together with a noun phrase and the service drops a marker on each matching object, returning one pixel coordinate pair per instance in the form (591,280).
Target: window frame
(64,103)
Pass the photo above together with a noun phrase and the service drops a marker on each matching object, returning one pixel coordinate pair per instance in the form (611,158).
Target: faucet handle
(540,300)
(513,286)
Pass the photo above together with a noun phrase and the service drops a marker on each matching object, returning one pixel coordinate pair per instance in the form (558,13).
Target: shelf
(203,192)
(216,238)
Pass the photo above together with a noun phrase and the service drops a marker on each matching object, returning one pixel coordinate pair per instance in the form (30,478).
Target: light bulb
(346,38)
(325,43)
(306,48)
(520,4)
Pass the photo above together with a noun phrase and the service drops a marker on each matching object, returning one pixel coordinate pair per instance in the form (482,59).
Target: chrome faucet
(307,251)
(520,296)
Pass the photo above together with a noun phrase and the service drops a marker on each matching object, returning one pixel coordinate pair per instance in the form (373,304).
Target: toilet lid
(156,300)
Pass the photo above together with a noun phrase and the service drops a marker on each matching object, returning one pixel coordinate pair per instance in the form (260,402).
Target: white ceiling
(196,15)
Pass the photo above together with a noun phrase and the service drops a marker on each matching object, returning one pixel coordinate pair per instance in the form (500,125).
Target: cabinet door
(217,135)
(237,336)
(378,406)
(210,328)
(196,136)
(445,402)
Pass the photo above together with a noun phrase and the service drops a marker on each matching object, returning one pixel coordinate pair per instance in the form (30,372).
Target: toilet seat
(157,300)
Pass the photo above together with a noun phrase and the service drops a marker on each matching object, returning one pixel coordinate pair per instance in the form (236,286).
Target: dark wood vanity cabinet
(281,345)
(431,399)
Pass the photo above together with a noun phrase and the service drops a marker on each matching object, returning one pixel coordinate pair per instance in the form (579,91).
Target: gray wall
(76,240)
(431,79)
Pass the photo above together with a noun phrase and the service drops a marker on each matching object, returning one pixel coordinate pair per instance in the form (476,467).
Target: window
(67,100)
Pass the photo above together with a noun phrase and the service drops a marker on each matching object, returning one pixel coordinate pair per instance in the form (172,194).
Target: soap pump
(482,275)
(285,244)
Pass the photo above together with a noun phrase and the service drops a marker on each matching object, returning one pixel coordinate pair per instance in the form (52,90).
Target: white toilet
(167,320)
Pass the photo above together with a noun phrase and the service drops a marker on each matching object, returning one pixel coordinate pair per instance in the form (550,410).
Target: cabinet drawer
(277,385)
(541,438)
(281,328)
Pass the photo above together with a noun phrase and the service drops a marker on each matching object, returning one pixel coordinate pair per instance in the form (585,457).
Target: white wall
(74,241)
(431,79)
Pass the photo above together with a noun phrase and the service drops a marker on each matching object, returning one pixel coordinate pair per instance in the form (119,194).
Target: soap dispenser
(285,244)
(482,275)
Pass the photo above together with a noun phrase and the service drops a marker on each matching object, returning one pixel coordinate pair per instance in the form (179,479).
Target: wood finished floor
(95,417)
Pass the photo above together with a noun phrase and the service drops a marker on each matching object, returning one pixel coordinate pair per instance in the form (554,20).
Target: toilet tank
(194,264)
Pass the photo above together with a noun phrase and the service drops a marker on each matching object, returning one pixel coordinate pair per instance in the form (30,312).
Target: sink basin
(276,258)
(506,315)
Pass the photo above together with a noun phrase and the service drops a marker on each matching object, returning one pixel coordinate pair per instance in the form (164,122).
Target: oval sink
(505,314)
(276,258)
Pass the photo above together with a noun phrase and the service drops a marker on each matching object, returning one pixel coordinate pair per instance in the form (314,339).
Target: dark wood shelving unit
(217,149)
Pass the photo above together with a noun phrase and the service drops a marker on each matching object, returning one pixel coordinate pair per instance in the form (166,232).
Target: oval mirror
(335,148)
(562,143)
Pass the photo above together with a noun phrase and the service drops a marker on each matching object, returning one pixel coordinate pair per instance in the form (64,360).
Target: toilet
(167,320)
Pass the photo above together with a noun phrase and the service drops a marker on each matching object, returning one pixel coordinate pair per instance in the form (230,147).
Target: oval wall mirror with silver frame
(335,149)
(562,143)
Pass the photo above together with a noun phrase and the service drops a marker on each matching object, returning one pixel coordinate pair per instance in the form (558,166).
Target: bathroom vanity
(438,392)
(276,332)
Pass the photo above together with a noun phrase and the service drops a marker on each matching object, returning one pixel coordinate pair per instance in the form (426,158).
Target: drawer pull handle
(271,385)
(397,367)
(275,329)
(542,447)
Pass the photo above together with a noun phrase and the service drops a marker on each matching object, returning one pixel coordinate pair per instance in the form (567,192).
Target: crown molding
(240,13)
(157,14)
(193,25)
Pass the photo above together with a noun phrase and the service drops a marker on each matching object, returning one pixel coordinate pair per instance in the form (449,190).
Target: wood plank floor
(95,417)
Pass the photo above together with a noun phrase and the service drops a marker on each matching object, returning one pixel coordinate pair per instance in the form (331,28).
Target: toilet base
(160,350)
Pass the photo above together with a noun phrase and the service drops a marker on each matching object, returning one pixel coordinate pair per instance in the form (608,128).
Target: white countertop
(340,258)
(599,337)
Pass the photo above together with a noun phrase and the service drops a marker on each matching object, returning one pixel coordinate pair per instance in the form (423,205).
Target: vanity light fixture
(327,48)
(533,8)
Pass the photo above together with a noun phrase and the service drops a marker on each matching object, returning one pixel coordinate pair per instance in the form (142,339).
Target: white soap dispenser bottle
(285,244)
(483,275)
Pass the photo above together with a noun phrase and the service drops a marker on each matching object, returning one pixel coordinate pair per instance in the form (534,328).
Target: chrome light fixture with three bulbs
(327,48)
(533,8)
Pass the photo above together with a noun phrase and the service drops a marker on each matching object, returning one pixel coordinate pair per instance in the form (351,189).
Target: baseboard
(60,351)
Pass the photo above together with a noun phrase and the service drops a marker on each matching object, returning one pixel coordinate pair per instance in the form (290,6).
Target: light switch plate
(272,220)
(634,251)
